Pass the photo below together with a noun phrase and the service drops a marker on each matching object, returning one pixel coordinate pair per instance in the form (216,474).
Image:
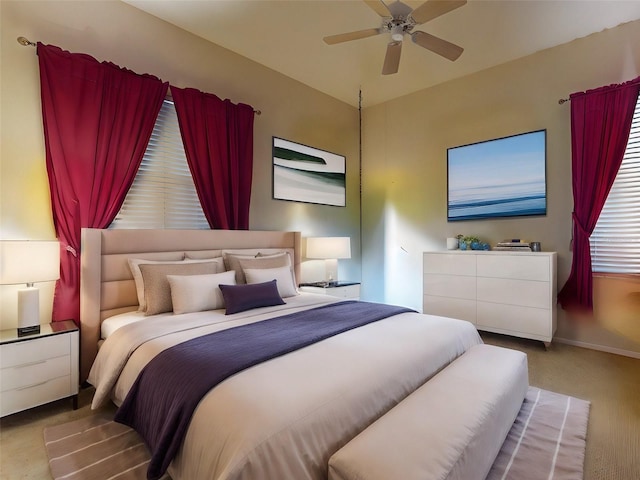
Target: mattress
(285,417)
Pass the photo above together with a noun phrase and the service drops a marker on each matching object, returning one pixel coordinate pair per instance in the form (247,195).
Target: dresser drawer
(459,308)
(34,350)
(34,372)
(15,400)
(450,286)
(450,263)
(514,292)
(521,267)
(513,320)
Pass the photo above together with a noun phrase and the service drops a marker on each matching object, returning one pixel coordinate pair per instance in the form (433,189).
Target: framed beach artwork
(504,177)
(306,174)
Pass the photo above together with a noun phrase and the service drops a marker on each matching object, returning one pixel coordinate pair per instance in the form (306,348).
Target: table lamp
(330,249)
(28,262)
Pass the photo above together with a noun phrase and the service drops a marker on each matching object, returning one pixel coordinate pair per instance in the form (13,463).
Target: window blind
(163,194)
(615,242)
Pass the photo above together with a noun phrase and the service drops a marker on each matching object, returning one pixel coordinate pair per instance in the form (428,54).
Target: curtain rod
(564,100)
(28,43)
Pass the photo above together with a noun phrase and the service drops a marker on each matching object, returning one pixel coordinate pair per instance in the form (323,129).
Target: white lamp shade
(329,247)
(29,261)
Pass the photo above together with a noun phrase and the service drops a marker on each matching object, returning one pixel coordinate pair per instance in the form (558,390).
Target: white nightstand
(39,368)
(350,290)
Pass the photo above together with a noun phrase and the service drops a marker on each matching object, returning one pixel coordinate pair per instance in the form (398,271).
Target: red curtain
(600,125)
(218,142)
(98,119)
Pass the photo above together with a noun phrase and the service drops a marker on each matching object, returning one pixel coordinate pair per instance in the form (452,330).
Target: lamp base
(30,330)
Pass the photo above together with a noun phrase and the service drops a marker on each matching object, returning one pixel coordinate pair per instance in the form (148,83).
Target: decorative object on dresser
(329,249)
(514,244)
(40,368)
(470,242)
(27,262)
(508,292)
(347,290)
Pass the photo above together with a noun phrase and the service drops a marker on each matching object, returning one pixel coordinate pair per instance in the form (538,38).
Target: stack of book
(512,244)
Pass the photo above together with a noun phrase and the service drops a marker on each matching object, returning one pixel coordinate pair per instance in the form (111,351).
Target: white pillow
(282,275)
(196,293)
(134,265)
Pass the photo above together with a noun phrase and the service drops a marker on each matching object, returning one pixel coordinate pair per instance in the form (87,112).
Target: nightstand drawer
(34,372)
(351,291)
(34,350)
(341,291)
(37,394)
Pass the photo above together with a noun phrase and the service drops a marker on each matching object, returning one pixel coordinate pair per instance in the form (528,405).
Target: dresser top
(56,328)
(490,252)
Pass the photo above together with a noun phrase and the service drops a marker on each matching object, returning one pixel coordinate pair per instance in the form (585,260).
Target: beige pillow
(240,262)
(282,276)
(157,291)
(134,265)
(197,293)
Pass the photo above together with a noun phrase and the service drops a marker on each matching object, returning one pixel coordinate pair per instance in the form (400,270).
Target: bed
(281,418)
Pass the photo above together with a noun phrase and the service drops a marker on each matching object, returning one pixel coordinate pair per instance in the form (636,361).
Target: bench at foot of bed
(451,427)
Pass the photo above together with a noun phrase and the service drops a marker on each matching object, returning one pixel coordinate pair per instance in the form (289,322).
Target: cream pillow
(282,276)
(157,291)
(134,266)
(197,293)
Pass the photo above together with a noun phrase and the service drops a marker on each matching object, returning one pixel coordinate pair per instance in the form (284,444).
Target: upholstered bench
(450,428)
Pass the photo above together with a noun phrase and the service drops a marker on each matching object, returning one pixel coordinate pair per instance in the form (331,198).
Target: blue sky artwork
(498,178)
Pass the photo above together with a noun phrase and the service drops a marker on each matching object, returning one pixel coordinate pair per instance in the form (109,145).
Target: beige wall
(117,32)
(404,176)
(404,141)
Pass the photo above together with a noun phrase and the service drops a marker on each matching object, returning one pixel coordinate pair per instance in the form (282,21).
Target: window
(163,194)
(615,242)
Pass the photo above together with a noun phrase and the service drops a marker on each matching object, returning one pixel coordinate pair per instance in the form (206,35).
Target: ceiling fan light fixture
(397,33)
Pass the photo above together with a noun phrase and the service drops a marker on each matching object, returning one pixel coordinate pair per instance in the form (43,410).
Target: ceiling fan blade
(346,37)
(392,58)
(379,7)
(441,47)
(434,8)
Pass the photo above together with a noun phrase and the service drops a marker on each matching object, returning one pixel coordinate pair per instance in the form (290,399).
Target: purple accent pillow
(238,298)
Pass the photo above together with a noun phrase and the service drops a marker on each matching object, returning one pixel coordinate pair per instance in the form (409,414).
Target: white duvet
(284,418)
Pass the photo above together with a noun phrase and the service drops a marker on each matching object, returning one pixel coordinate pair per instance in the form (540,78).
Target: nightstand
(350,290)
(38,368)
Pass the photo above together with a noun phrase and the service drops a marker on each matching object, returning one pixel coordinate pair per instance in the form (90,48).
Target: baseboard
(602,348)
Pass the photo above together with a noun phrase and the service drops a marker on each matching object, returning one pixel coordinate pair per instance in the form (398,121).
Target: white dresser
(39,368)
(513,293)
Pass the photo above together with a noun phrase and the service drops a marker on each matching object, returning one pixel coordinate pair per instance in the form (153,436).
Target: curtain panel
(600,125)
(98,119)
(218,142)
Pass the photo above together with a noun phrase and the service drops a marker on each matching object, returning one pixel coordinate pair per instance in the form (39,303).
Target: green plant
(468,239)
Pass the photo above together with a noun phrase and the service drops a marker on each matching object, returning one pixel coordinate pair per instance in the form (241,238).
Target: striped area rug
(547,442)
(96,448)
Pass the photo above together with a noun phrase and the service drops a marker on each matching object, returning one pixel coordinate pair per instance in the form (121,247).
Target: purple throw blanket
(167,391)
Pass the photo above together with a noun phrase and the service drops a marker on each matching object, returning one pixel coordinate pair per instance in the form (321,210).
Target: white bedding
(284,418)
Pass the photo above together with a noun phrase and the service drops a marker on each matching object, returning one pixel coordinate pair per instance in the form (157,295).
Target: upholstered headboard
(106,283)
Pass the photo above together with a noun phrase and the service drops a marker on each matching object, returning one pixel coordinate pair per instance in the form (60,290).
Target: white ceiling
(286,35)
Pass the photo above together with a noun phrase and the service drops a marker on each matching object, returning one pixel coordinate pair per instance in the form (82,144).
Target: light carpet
(547,441)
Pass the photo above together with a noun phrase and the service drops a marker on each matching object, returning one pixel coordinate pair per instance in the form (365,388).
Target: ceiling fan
(398,19)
